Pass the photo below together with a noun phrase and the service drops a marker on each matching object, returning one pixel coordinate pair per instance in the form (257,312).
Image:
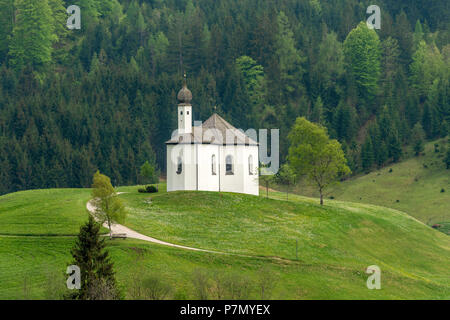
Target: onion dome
(185,95)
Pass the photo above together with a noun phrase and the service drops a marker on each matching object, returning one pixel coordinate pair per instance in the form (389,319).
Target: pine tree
(367,155)
(390,58)
(428,120)
(326,74)
(404,36)
(394,146)
(97,274)
(362,50)
(417,138)
(290,60)
(418,35)
(6,23)
(59,15)
(447,158)
(33,34)
(318,112)
(344,123)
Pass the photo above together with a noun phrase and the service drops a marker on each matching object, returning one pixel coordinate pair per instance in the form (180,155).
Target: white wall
(206,180)
(192,154)
(251,182)
(187,179)
(184,118)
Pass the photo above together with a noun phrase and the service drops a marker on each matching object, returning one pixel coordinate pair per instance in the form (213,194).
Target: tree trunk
(110,231)
(321,197)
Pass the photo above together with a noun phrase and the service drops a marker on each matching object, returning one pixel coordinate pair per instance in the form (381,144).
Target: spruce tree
(447,158)
(362,50)
(394,146)
(318,112)
(290,60)
(33,34)
(367,155)
(97,274)
(6,23)
(417,137)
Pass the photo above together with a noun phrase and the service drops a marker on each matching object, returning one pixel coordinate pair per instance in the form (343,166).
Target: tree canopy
(104,97)
(314,155)
(108,206)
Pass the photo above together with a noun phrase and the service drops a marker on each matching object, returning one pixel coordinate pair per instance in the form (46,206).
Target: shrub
(148,287)
(436,148)
(237,287)
(155,289)
(180,294)
(266,283)
(148,189)
(151,189)
(201,283)
(390,170)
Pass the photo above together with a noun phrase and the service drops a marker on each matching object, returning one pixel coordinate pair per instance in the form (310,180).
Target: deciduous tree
(108,206)
(313,154)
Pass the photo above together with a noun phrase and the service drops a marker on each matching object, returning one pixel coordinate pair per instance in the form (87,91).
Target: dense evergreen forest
(104,97)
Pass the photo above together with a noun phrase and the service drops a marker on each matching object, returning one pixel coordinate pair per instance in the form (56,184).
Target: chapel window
(179,166)
(229,165)
(213,165)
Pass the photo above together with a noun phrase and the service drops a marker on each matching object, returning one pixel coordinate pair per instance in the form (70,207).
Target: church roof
(215,130)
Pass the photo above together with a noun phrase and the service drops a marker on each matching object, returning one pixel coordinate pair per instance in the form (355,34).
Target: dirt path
(118,228)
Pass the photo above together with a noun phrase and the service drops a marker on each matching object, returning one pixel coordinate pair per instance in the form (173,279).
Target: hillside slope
(413,186)
(336,243)
(339,234)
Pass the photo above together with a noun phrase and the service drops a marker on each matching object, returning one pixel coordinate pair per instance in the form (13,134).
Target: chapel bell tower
(184,109)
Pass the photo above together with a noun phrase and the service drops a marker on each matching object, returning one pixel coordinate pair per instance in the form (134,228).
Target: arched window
(213,165)
(229,165)
(250,165)
(179,165)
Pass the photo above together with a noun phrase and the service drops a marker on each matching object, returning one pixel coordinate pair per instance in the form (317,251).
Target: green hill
(413,186)
(336,243)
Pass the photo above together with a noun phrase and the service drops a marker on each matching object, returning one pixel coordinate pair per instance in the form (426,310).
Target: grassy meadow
(413,186)
(336,243)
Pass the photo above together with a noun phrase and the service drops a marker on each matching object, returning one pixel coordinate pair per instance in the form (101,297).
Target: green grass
(414,186)
(337,243)
(43,212)
(24,259)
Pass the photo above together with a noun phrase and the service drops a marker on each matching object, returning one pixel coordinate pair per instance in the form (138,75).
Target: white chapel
(214,156)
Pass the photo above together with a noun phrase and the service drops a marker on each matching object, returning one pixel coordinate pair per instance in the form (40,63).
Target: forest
(104,97)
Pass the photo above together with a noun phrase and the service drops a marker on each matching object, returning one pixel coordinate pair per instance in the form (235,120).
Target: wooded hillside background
(104,97)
